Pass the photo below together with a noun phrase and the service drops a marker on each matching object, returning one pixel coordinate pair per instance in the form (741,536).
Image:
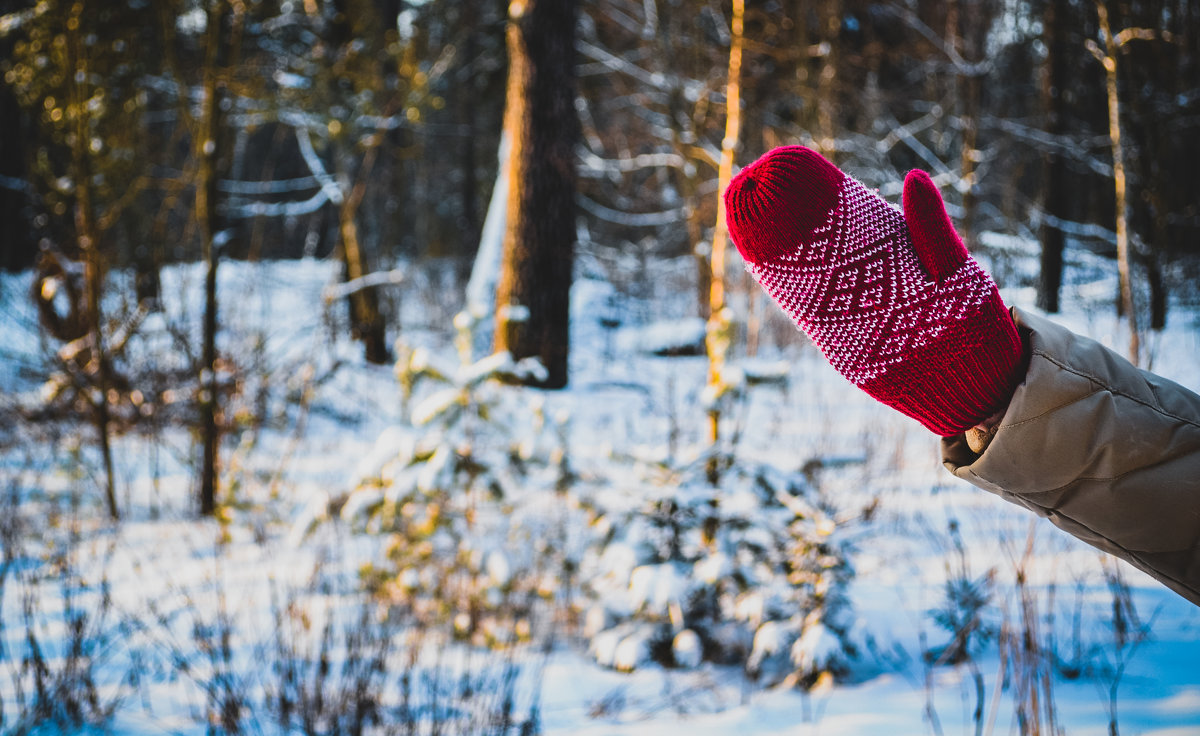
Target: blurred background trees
(1001,101)
(366,130)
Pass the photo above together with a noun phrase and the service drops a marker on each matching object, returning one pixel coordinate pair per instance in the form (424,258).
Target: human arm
(1027,409)
(1105,451)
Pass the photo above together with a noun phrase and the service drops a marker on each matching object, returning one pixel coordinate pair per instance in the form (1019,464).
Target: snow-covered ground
(188,615)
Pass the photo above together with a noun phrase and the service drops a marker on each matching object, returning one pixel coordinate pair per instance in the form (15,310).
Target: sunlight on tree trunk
(1109,61)
(533,293)
(719,322)
(1108,58)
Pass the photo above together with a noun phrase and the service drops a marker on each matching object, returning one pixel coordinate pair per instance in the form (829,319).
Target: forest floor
(257,622)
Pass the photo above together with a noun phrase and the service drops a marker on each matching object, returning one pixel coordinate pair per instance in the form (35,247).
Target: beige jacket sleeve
(1105,451)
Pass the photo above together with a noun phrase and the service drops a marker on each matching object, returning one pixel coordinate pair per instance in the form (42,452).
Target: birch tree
(720,320)
(1108,55)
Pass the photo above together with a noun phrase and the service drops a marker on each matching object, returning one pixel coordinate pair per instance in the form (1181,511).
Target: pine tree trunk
(1055,196)
(208,150)
(532,304)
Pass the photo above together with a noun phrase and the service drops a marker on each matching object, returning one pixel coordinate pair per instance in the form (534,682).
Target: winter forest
(386,367)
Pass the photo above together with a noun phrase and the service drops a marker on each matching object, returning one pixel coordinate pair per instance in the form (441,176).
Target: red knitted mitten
(891,298)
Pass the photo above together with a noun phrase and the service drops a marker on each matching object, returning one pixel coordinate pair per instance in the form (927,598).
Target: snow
(287,559)
(485,273)
(683,336)
(687,649)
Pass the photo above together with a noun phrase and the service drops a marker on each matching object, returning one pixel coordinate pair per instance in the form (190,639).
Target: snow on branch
(633,219)
(1077,229)
(961,65)
(591,164)
(328,184)
(650,9)
(917,147)
(1066,146)
(906,131)
(244,209)
(616,63)
(15,21)
(276,186)
(334,292)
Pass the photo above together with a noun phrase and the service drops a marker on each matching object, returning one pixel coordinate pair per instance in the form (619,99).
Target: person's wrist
(981,435)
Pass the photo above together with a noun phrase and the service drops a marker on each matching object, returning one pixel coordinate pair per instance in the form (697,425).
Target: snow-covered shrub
(962,615)
(750,572)
(465,497)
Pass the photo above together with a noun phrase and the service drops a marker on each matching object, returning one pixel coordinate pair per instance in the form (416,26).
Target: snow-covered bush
(464,497)
(966,609)
(749,572)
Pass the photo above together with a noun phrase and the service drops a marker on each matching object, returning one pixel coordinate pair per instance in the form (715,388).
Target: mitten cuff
(960,381)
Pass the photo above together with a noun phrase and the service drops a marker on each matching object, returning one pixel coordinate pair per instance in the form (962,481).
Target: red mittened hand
(892,299)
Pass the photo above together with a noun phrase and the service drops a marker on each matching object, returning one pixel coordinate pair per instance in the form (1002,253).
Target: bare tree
(88,235)
(1107,56)
(208,152)
(366,320)
(967,25)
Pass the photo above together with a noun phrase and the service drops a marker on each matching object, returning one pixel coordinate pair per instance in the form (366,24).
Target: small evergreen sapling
(751,572)
(451,495)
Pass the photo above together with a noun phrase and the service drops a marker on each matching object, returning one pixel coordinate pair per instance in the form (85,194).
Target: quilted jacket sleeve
(1105,451)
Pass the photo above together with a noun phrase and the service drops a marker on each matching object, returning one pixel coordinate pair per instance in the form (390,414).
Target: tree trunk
(970,38)
(97,366)
(1109,60)
(717,340)
(729,144)
(208,151)
(1055,196)
(830,15)
(1152,261)
(19,251)
(366,321)
(532,304)
(1158,289)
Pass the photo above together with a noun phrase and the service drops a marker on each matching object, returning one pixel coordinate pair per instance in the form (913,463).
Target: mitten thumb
(938,247)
